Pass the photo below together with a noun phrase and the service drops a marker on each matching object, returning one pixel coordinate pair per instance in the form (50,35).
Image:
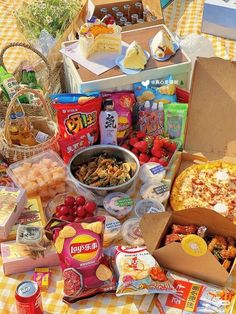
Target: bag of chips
(86,271)
(78,124)
(139,273)
(123,103)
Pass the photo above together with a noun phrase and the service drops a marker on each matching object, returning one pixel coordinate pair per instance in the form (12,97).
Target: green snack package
(175,121)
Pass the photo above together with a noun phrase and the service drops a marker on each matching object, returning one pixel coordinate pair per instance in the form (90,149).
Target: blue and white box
(219,18)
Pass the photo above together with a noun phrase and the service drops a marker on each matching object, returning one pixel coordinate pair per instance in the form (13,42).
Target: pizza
(210,185)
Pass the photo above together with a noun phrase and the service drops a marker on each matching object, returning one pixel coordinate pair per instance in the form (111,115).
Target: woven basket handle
(29,47)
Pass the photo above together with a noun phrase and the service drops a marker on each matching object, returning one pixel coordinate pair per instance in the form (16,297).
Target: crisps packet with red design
(86,271)
(78,123)
(123,103)
(139,272)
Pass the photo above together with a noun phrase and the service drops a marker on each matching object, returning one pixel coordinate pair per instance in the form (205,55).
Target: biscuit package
(139,273)
(86,271)
(161,90)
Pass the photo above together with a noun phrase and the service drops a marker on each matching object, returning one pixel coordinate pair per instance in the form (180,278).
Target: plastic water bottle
(108,122)
(144,117)
(154,120)
(161,118)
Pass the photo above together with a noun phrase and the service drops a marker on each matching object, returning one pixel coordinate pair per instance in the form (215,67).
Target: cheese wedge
(162,44)
(135,57)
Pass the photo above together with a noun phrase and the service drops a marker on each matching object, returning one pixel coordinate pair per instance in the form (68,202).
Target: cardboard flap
(153,226)
(154,7)
(212,111)
(205,267)
(206,217)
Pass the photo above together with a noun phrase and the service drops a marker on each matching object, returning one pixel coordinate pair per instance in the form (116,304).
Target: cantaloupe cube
(60,188)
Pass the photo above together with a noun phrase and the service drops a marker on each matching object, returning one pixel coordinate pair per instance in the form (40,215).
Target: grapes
(75,209)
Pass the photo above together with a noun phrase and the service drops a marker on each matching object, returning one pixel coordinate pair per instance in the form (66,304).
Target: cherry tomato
(57,214)
(69,201)
(70,218)
(63,217)
(81,212)
(64,210)
(77,219)
(89,215)
(58,208)
(80,200)
(90,207)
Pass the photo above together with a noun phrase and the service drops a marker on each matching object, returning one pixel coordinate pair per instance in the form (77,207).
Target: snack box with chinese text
(80,80)
(32,214)
(12,202)
(17,258)
(172,256)
(219,18)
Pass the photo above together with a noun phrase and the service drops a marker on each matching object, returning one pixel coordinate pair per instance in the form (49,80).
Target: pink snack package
(86,271)
(124,103)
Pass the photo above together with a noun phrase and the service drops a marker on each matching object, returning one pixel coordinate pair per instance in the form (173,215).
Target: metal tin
(28,298)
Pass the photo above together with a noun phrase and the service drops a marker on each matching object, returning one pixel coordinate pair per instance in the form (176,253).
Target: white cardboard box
(219,18)
(78,80)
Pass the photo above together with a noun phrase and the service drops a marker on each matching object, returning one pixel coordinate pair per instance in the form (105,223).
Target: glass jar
(103,12)
(127,8)
(134,18)
(140,21)
(128,23)
(138,8)
(114,10)
(145,15)
(118,16)
(123,20)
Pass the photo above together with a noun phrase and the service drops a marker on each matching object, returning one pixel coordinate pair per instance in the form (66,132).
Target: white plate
(167,57)
(119,62)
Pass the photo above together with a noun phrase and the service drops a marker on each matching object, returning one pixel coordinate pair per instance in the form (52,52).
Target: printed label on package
(161,189)
(157,169)
(126,201)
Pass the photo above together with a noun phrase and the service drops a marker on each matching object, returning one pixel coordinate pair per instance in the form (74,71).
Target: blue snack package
(71,98)
(160,90)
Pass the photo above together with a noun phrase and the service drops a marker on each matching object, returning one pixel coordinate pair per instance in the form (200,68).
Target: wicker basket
(31,109)
(44,123)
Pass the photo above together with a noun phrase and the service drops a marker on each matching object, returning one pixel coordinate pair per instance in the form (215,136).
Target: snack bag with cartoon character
(86,271)
(123,103)
(161,90)
(139,273)
(78,123)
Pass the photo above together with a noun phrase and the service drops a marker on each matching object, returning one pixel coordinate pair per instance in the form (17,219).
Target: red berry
(135,151)
(57,214)
(125,146)
(143,158)
(154,159)
(80,200)
(81,211)
(58,208)
(70,218)
(89,215)
(141,146)
(77,219)
(64,210)
(63,217)
(133,141)
(156,152)
(163,161)
(69,201)
(140,134)
(74,214)
(90,207)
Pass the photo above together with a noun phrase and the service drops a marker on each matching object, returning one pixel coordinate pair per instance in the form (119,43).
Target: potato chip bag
(124,103)
(139,273)
(86,270)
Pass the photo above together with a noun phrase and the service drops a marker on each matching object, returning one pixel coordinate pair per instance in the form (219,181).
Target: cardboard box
(94,6)
(17,258)
(211,127)
(219,18)
(207,268)
(12,202)
(80,79)
(32,214)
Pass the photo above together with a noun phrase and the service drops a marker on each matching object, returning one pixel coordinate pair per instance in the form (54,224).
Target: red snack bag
(86,271)
(124,103)
(78,123)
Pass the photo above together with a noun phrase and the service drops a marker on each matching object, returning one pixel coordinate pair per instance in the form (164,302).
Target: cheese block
(99,37)
(162,44)
(135,57)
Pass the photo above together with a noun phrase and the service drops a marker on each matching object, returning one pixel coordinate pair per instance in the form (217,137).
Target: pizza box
(206,267)
(80,80)
(18,258)
(94,6)
(32,214)
(12,202)
(211,127)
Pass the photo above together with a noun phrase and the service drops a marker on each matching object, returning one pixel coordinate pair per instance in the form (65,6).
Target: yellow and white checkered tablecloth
(182,17)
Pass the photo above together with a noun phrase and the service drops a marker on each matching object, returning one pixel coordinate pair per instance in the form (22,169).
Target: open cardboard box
(207,268)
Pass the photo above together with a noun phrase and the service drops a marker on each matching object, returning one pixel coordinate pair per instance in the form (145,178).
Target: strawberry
(141,146)
(172,147)
(125,146)
(133,141)
(135,151)
(140,135)
(143,158)
(163,161)
(154,159)
(156,152)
